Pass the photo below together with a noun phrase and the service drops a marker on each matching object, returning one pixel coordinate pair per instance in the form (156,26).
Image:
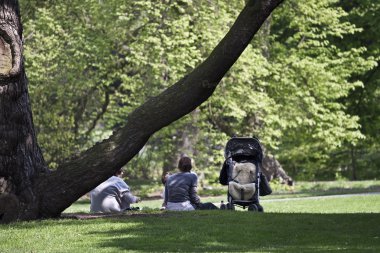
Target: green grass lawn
(200,231)
(290,224)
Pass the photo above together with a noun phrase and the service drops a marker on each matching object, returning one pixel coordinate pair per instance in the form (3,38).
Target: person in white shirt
(113,195)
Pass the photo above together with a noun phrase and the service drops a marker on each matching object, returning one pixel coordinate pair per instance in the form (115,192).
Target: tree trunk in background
(265,41)
(272,169)
(170,162)
(35,194)
(172,156)
(185,140)
(353,163)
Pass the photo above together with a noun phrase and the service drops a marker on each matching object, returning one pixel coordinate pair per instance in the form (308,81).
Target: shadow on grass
(243,232)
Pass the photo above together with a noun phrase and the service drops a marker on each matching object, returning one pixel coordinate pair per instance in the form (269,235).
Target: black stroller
(241,171)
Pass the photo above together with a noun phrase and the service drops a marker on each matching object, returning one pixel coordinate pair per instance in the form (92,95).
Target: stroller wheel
(230,206)
(253,208)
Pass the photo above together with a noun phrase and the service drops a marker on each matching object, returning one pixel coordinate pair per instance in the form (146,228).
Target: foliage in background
(314,74)
(363,160)
(92,62)
(73,69)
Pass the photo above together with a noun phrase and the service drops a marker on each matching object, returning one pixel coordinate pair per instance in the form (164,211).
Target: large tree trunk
(21,161)
(43,195)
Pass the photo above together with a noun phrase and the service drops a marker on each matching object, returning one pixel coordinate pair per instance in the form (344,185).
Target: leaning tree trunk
(21,161)
(43,195)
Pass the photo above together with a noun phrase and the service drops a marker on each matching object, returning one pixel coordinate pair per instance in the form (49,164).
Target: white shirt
(113,195)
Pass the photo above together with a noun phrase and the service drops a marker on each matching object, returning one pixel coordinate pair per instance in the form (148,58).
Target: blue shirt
(181,187)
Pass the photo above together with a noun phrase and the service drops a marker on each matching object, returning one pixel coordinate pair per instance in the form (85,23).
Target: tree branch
(76,177)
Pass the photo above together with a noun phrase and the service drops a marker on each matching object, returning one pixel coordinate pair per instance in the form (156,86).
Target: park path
(263,200)
(320,197)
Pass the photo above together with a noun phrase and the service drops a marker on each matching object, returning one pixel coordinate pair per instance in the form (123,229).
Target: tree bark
(21,160)
(272,169)
(353,163)
(44,195)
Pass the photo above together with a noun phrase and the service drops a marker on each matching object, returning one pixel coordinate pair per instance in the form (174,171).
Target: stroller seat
(241,172)
(242,186)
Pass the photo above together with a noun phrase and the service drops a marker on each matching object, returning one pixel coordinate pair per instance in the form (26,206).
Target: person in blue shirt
(181,189)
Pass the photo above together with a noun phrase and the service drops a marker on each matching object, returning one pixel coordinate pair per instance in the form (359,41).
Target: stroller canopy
(244,146)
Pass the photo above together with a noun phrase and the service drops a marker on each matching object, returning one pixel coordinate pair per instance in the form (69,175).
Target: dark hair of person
(184,164)
(164,177)
(119,172)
